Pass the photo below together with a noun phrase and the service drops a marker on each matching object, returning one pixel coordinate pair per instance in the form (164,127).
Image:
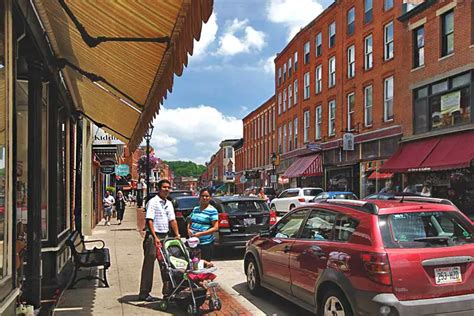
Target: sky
(230,73)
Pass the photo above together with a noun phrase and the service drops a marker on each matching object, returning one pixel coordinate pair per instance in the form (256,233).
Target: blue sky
(230,73)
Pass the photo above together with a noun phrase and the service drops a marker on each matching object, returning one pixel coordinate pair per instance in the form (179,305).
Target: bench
(88,258)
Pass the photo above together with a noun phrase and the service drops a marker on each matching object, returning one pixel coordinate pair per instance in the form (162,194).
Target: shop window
(449,109)
(439,87)
(370,150)
(421,123)
(461,80)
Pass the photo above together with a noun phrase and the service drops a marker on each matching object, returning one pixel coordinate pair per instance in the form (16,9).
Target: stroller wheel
(192,310)
(163,306)
(216,304)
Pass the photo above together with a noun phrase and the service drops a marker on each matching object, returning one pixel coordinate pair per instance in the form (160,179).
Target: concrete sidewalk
(121,298)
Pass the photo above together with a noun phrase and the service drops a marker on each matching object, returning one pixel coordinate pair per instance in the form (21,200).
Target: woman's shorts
(108,211)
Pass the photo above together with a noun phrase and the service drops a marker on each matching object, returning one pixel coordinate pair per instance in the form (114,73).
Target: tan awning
(137,75)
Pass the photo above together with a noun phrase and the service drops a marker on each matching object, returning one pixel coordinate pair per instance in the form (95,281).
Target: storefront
(305,171)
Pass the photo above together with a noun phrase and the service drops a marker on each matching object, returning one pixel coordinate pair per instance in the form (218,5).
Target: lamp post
(148,135)
(274,159)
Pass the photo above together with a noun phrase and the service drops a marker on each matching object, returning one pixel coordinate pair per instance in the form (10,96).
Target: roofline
(264,103)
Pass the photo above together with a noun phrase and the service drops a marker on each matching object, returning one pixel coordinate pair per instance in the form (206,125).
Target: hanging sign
(123,170)
(348,141)
(451,102)
(107,166)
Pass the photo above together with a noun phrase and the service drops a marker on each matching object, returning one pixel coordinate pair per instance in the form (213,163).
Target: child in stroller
(189,286)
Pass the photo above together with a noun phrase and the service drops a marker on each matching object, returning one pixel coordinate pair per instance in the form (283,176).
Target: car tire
(334,302)
(253,278)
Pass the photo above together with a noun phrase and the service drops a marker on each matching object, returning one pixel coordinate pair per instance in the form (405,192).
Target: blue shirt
(201,220)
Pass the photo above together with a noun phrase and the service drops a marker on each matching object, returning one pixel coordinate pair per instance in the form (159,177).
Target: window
(289,226)
(368,48)
(332,71)
(332,118)
(279,140)
(274,120)
(332,34)
(229,153)
(351,62)
(368,11)
(296,61)
(319,226)
(290,136)
(279,76)
(290,62)
(306,126)
(351,21)
(295,135)
(295,90)
(319,78)
(388,40)
(284,71)
(368,106)
(345,227)
(290,95)
(388,99)
(279,103)
(387,5)
(319,122)
(350,111)
(319,44)
(284,100)
(419,47)
(306,86)
(447,35)
(306,53)
(284,138)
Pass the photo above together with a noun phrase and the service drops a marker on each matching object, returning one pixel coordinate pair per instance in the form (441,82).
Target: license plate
(249,221)
(448,275)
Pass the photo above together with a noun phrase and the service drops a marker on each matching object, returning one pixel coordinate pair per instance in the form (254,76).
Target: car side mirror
(265,233)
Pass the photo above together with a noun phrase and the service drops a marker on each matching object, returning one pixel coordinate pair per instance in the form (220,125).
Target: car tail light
(224,220)
(273,217)
(378,267)
(301,200)
(178,214)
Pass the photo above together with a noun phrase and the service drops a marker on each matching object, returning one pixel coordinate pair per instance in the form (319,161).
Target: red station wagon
(408,256)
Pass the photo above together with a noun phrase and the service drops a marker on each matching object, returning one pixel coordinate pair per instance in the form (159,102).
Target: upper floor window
(279,140)
(279,76)
(332,72)
(350,111)
(279,103)
(332,34)
(229,153)
(295,134)
(290,62)
(388,41)
(295,58)
(419,47)
(295,90)
(284,138)
(351,62)
(306,52)
(306,86)
(319,44)
(290,95)
(274,119)
(284,100)
(284,71)
(388,99)
(351,21)
(306,126)
(290,136)
(332,118)
(319,122)
(387,5)
(368,48)
(319,78)
(447,33)
(368,11)
(368,106)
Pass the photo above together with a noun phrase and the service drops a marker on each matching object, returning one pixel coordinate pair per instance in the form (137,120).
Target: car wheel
(253,277)
(334,302)
(292,206)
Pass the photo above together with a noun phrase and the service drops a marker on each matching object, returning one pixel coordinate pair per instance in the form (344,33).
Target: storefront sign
(348,141)
(123,170)
(418,169)
(102,138)
(253,174)
(107,166)
(314,146)
(451,102)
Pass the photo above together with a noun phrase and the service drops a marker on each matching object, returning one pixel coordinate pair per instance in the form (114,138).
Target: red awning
(380,175)
(451,151)
(308,166)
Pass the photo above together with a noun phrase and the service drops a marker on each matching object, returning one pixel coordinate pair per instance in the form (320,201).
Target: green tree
(185,168)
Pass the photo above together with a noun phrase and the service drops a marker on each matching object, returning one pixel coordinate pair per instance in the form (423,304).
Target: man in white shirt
(159,217)
(108,202)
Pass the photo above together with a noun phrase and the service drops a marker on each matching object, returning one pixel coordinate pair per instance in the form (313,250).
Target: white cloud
(192,133)
(269,65)
(239,37)
(294,14)
(208,36)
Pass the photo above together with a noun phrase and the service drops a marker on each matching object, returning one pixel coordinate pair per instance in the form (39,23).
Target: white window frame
(274,119)
(388,99)
(279,76)
(350,113)
(332,118)
(290,135)
(284,100)
(306,56)
(295,59)
(368,107)
(332,33)
(290,95)
(284,142)
(368,52)
(295,135)
(295,92)
(318,122)
(319,79)
(290,62)
(332,72)
(389,45)
(284,72)
(307,88)
(279,103)
(319,44)
(351,21)
(306,117)
(351,67)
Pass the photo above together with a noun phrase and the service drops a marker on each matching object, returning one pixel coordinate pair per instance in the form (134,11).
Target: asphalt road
(231,277)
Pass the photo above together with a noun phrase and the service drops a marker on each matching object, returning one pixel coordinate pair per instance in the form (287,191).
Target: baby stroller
(184,280)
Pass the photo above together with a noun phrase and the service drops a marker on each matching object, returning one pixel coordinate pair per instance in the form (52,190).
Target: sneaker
(108,223)
(149,299)
(119,222)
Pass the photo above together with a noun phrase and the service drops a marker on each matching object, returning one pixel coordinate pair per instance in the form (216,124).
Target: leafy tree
(185,168)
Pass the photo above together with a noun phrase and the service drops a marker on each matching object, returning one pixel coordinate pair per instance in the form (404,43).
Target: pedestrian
(120,206)
(108,202)
(253,193)
(203,223)
(426,190)
(262,195)
(159,217)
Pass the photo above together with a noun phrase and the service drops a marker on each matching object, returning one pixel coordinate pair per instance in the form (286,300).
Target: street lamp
(274,159)
(148,135)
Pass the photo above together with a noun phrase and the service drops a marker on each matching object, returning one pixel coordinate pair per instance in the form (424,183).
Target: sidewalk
(121,298)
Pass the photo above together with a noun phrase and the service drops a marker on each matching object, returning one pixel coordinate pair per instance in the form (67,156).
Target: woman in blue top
(203,223)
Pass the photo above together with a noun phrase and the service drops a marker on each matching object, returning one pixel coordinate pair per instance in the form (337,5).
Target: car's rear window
(292,193)
(425,230)
(311,192)
(245,207)
(187,203)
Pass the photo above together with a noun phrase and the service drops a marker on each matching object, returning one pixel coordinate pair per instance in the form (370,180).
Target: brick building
(437,86)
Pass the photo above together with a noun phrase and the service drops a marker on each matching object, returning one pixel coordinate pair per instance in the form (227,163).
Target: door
(278,202)
(309,254)
(275,251)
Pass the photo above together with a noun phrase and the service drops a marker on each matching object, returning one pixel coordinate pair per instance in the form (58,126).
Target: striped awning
(308,166)
(119,84)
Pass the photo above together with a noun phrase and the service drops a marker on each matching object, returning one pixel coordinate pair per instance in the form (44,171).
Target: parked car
(335,195)
(240,219)
(291,198)
(183,206)
(346,257)
(176,193)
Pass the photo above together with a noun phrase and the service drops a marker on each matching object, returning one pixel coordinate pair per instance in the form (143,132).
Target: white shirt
(109,201)
(161,212)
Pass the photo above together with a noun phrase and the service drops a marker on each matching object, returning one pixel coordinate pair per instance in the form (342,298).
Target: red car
(343,257)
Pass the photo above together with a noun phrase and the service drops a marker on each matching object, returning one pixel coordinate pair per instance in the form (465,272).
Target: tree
(185,168)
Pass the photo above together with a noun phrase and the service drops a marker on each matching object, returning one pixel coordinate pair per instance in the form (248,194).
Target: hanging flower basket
(142,163)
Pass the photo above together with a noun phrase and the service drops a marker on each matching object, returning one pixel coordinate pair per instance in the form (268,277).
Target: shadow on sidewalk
(173,309)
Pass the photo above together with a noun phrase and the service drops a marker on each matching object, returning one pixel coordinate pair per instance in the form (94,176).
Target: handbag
(114,213)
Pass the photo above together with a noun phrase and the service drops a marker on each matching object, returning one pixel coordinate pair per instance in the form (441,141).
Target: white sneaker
(108,223)
(119,222)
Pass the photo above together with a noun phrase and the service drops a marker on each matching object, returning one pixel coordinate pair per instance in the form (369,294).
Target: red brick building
(436,87)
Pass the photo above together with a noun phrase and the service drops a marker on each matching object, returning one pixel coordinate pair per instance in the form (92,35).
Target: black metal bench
(88,258)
